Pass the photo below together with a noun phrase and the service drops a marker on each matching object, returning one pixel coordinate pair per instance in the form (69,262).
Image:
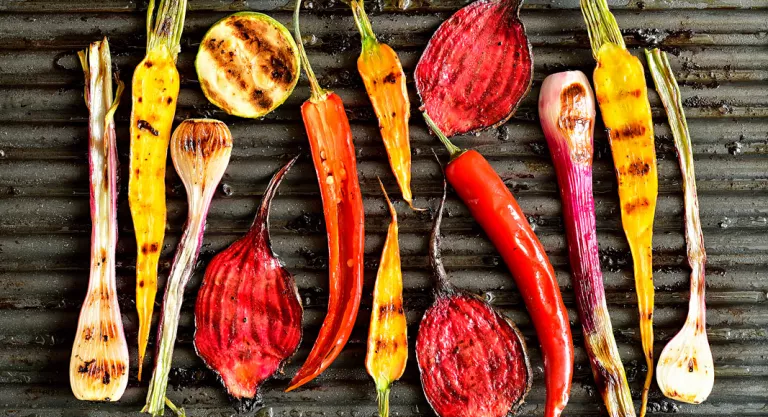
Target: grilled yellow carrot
(155,90)
(387,337)
(623,98)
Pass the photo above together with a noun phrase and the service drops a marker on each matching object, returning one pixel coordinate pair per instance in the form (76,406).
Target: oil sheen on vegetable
(476,68)
(333,155)
(472,360)
(248,312)
(384,79)
(567,114)
(98,366)
(623,98)
(387,334)
(154,94)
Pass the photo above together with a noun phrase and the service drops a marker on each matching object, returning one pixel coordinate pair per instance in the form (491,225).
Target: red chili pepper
(491,203)
(333,153)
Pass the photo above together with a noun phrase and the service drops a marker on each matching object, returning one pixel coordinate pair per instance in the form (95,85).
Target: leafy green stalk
(165,27)
(601,25)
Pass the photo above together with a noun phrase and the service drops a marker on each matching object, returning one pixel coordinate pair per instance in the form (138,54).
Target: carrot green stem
(363,24)
(165,28)
(601,25)
(452,149)
(382,396)
(318,93)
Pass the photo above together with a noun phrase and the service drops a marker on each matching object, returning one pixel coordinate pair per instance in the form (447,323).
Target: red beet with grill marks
(476,68)
(248,313)
(473,360)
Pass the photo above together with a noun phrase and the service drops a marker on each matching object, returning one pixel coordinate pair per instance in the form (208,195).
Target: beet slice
(476,68)
(473,360)
(248,312)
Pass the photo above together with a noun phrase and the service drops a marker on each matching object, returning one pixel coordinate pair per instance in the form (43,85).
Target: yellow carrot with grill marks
(384,79)
(387,337)
(623,98)
(155,91)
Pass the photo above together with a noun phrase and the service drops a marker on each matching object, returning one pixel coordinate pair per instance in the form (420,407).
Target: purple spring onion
(567,113)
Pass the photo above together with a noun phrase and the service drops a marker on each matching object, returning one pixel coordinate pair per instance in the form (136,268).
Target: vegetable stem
(685,370)
(601,25)
(382,397)
(363,23)
(318,93)
(452,149)
(442,285)
(166,26)
(98,369)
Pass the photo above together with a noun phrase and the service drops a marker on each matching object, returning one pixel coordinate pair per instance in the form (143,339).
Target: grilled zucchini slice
(247,64)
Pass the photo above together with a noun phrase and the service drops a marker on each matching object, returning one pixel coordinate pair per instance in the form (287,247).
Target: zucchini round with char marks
(247,64)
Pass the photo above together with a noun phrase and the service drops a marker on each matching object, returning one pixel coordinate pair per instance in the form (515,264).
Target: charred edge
(386,310)
(261,99)
(281,66)
(211,92)
(627,132)
(386,345)
(86,366)
(639,168)
(204,136)
(636,204)
(145,125)
(147,248)
(391,78)
(571,99)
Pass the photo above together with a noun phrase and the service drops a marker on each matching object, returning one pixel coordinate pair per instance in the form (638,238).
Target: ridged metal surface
(720,52)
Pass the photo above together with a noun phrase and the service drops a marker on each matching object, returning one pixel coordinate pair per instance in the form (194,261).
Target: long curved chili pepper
(491,203)
(154,94)
(333,154)
(567,114)
(384,80)
(623,98)
(387,351)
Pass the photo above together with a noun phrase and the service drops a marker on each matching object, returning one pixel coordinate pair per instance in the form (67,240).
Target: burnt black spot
(280,71)
(147,248)
(629,131)
(639,168)
(140,99)
(88,333)
(105,338)
(141,284)
(86,366)
(391,78)
(638,203)
(261,99)
(148,64)
(106,378)
(145,125)
(169,100)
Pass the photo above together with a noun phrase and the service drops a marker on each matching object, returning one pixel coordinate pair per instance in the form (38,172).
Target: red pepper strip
(333,154)
(491,203)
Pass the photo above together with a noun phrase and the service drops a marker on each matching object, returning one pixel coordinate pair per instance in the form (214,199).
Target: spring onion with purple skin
(200,149)
(567,113)
(98,368)
(685,371)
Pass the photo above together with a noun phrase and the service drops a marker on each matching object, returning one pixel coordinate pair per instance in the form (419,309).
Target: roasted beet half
(476,68)
(473,360)
(248,313)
